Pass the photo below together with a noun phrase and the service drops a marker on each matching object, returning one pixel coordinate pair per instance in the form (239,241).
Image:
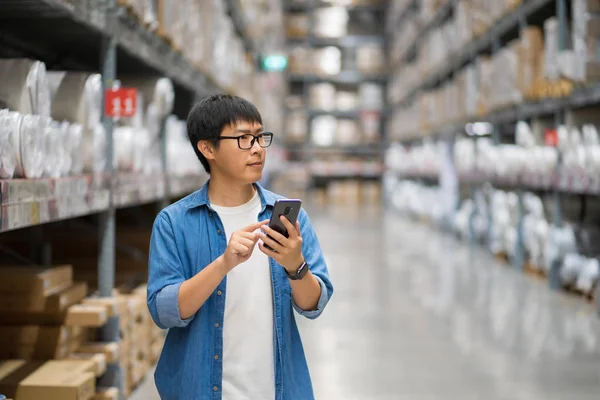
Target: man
(227,300)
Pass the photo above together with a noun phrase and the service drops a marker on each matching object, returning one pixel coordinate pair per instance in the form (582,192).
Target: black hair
(211,115)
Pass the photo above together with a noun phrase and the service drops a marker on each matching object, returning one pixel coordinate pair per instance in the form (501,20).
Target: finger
(241,249)
(252,227)
(298,229)
(248,235)
(250,243)
(289,227)
(271,242)
(266,251)
(275,235)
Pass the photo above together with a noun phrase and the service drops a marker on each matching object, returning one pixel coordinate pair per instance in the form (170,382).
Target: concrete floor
(417,315)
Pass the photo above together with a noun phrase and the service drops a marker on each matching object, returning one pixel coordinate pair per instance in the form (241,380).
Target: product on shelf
(331,22)
(346,100)
(297,25)
(322,96)
(8,156)
(371,96)
(24,86)
(52,380)
(296,125)
(327,61)
(370,59)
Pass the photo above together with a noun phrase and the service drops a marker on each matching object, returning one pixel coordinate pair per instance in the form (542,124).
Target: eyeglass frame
(255,139)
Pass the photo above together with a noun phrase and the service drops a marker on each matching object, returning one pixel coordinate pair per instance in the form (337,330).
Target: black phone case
(293,207)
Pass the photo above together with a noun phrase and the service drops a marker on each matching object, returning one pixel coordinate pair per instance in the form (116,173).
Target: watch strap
(300,272)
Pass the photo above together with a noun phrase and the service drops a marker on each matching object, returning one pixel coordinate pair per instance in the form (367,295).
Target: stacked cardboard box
(52,380)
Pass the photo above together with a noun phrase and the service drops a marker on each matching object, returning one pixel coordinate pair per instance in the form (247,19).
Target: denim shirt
(187,236)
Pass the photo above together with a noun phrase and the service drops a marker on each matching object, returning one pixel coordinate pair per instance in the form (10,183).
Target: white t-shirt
(248,354)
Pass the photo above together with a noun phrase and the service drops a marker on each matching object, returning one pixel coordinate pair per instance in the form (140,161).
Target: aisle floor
(418,315)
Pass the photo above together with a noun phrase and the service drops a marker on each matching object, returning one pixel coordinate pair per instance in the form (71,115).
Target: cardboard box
(111,393)
(13,372)
(50,303)
(40,342)
(59,380)
(109,349)
(86,315)
(111,303)
(98,359)
(35,280)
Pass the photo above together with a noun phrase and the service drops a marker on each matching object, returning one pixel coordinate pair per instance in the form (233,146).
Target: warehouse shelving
(479,45)
(555,186)
(581,97)
(378,6)
(101,35)
(345,41)
(362,29)
(344,77)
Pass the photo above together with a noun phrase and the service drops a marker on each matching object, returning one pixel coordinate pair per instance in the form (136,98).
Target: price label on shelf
(120,102)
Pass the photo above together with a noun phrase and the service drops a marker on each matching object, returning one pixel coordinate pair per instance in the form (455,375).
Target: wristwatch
(300,272)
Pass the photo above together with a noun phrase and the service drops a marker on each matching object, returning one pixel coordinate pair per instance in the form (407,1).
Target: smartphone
(290,208)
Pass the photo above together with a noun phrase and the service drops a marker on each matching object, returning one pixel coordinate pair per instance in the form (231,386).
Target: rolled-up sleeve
(165,276)
(311,250)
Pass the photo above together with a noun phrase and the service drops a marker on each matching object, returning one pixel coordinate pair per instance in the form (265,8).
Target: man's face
(244,165)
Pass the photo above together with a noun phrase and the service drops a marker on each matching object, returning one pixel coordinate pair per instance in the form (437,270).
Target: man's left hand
(288,251)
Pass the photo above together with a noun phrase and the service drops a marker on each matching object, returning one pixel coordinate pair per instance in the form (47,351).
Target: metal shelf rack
(99,35)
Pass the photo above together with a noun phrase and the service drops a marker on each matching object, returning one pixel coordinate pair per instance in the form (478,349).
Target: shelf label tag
(120,102)
(551,137)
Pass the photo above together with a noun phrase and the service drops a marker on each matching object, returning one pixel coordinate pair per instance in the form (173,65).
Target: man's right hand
(241,245)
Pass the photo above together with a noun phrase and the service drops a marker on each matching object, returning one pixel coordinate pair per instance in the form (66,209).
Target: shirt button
(217,325)
(218,231)
(216,357)
(215,389)
(219,293)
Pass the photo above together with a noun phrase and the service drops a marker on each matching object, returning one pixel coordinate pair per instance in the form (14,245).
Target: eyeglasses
(245,142)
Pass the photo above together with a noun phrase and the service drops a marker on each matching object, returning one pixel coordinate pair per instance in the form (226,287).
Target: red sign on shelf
(551,137)
(120,102)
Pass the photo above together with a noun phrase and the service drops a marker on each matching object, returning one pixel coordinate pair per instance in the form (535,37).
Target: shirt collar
(200,197)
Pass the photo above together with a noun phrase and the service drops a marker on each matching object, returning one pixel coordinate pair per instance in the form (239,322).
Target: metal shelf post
(107,226)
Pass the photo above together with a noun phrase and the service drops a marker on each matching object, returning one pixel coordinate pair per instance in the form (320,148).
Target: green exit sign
(274,63)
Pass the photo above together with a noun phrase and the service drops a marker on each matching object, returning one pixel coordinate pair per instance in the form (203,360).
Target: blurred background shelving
(493,128)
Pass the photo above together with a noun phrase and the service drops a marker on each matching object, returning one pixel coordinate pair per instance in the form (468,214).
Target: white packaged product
(331,21)
(27,138)
(75,148)
(53,155)
(327,61)
(24,86)
(322,96)
(94,148)
(588,275)
(371,96)
(78,99)
(158,91)
(560,242)
(8,157)
(323,130)
(572,266)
